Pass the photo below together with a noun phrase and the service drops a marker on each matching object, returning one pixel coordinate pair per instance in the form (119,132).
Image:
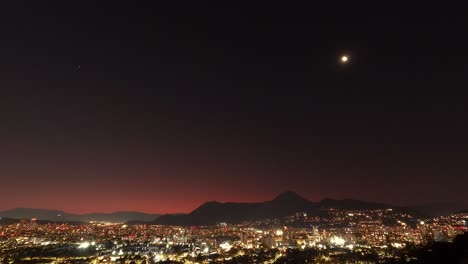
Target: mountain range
(285,204)
(60,216)
(441,208)
(10,221)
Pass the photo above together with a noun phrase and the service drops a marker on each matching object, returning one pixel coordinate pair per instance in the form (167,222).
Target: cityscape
(338,232)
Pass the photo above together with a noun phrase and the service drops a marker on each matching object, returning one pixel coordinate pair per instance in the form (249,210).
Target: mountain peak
(210,204)
(289,196)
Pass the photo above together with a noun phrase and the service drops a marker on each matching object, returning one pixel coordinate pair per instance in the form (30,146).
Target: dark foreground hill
(284,204)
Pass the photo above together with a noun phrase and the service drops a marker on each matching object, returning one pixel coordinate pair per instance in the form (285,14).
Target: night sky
(162,107)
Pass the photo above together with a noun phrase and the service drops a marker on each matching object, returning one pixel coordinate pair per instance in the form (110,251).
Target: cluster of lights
(225,246)
(337,232)
(337,241)
(86,244)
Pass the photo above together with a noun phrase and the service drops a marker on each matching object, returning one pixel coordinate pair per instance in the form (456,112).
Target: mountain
(10,221)
(213,212)
(290,197)
(60,216)
(440,208)
(351,204)
(28,213)
(117,217)
(284,204)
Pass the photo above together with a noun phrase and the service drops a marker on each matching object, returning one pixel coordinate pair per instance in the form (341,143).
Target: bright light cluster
(84,245)
(225,246)
(338,241)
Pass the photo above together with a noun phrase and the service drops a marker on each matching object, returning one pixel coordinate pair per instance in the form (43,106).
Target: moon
(344,59)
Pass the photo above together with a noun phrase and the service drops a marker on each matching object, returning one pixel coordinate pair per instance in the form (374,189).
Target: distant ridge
(60,216)
(285,204)
(28,213)
(440,208)
(290,197)
(352,204)
(10,221)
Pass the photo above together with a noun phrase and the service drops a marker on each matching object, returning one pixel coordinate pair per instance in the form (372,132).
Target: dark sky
(160,107)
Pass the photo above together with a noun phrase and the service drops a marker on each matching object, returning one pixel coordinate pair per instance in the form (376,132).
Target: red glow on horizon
(157,205)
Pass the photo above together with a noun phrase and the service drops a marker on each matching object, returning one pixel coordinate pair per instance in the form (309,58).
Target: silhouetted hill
(29,213)
(10,221)
(439,252)
(440,208)
(289,197)
(118,217)
(55,215)
(213,212)
(285,204)
(350,204)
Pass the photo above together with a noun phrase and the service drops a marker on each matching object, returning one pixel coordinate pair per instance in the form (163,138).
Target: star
(77,68)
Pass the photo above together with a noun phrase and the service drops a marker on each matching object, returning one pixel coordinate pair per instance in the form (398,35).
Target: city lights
(345,231)
(84,245)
